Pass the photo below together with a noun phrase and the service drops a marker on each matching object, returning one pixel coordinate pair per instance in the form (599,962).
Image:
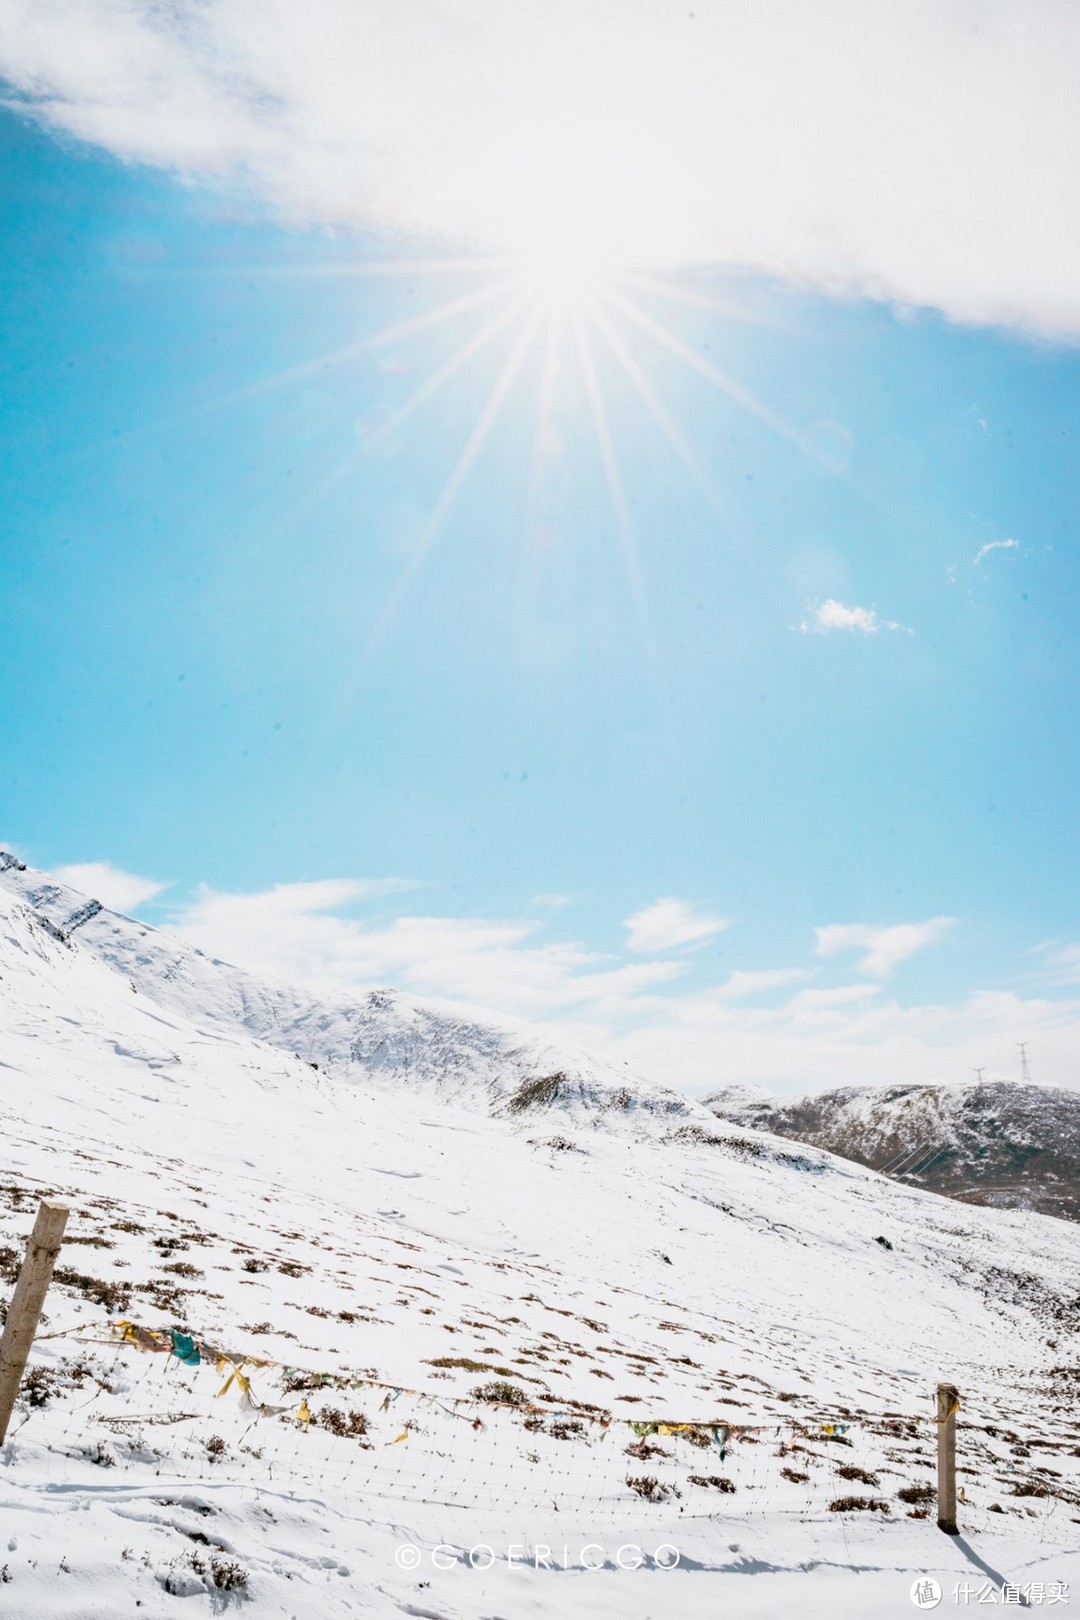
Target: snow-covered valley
(422,1200)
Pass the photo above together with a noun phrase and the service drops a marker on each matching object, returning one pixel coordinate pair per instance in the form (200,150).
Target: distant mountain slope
(1011,1146)
(475,1061)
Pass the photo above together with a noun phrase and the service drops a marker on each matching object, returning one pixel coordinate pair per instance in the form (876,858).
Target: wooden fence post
(42,1248)
(948,1404)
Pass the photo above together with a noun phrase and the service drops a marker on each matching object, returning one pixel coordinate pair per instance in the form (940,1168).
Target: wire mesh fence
(160,1405)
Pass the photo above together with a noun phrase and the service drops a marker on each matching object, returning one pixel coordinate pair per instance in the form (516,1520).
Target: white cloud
(833,615)
(1059,961)
(293,933)
(994,545)
(820,1035)
(846,1037)
(885,948)
(1067,967)
(668,924)
(120,891)
(742,984)
(900,149)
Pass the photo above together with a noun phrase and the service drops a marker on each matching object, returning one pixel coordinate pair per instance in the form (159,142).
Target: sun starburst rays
(564,298)
(612,476)
(705,368)
(648,395)
(564,301)
(488,413)
(439,378)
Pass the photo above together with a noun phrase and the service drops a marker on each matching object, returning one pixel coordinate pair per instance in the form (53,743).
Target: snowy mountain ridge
(472,1059)
(996,1143)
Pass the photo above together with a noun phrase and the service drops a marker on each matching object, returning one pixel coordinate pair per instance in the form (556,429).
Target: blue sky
(828,738)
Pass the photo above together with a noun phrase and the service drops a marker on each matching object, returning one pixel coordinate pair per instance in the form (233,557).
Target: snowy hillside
(1010,1146)
(476,1061)
(462,1304)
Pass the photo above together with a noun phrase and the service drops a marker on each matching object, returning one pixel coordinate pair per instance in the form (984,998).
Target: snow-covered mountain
(403,1214)
(474,1060)
(996,1143)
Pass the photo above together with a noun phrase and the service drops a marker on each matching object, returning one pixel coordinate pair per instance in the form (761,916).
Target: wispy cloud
(667,925)
(833,615)
(994,545)
(745,983)
(851,1035)
(295,931)
(833,160)
(119,890)
(1059,961)
(885,948)
(638,1011)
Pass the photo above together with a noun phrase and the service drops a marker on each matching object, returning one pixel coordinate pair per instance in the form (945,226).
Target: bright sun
(567,220)
(574,258)
(563,274)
